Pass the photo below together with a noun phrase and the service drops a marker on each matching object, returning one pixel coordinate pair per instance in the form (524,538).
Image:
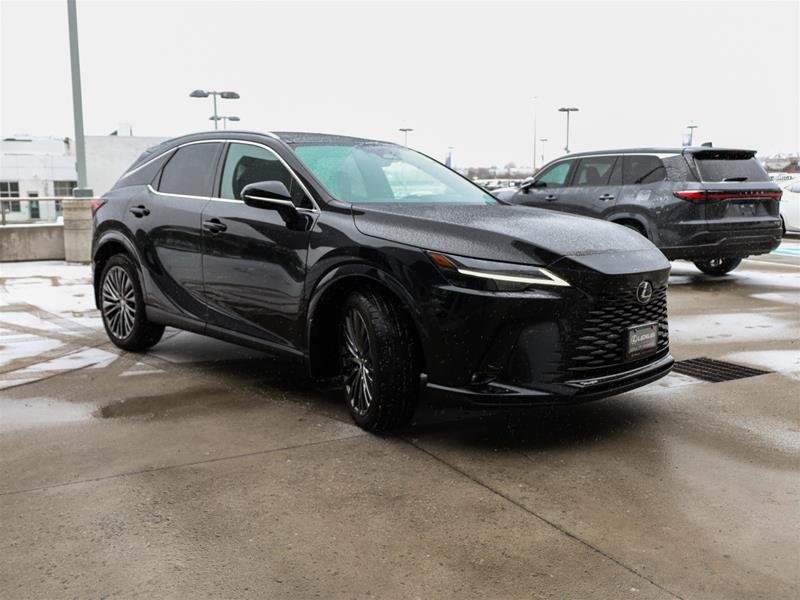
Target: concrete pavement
(205,470)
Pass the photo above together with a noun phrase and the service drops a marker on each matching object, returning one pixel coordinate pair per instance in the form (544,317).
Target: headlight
(493,276)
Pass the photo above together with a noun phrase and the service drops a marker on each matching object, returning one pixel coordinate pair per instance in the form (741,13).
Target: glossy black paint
(275,279)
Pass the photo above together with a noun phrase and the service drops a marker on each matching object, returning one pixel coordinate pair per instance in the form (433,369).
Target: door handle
(605,197)
(551,197)
(214,226)
(140,211)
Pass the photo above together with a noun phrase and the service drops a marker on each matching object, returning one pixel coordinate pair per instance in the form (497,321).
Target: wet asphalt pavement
(201,469)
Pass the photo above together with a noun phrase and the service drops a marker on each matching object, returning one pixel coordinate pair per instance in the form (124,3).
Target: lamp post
(534,133)
(206,94)
(405,131)
(543,140)
(77,101)
(224,120)
(691,127)
(566,109)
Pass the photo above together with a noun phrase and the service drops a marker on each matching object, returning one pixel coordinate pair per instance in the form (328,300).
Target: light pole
(77,101)
(224,120)
(567,110)
(405,131)
(206,94)
(691,127)
(543,140)
(534,133)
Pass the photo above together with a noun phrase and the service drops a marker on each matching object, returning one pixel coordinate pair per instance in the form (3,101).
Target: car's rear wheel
(717,266)
(122,307)
(378,354)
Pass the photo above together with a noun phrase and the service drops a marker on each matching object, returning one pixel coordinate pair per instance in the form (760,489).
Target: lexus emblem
(644,292)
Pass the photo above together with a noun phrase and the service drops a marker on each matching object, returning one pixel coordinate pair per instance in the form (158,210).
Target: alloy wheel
(119,302)
(357,366)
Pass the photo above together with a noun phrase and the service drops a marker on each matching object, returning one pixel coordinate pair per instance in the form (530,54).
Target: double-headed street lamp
(566,109)
(224,120)
(405,131)
(691,127)
(206,94)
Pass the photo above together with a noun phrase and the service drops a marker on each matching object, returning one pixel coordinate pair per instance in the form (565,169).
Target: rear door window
(557,175)
(594,170)
(641,168)
(190,171)
(729,167)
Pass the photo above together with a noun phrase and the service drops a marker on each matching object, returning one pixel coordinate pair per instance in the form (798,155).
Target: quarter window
(638,169)
(190,171)
(557,174)
(594,170)
(247,164)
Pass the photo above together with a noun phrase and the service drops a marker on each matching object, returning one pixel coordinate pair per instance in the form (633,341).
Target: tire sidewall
(139,320)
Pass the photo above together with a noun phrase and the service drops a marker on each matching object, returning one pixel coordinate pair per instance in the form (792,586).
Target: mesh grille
(599,344)
(712,370)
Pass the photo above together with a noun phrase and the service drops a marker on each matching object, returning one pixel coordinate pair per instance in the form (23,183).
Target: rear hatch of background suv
(737,193)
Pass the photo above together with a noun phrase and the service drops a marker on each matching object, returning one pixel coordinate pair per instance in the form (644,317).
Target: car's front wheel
(122,307)
(379,365)
(717,266)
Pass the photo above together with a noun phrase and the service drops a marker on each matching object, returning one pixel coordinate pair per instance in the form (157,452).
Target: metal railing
(32,211)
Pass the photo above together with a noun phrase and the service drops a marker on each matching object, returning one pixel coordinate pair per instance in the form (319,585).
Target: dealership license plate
(642,339)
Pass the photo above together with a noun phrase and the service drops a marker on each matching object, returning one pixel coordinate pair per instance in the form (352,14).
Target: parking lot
(201,469)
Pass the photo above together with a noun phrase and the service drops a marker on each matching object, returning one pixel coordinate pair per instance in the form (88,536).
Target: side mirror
(267,194)
(533,184)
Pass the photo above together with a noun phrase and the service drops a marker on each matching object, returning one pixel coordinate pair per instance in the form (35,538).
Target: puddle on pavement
(37,412)
(160,405)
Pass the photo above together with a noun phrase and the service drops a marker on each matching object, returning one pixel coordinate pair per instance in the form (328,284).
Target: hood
(504,233)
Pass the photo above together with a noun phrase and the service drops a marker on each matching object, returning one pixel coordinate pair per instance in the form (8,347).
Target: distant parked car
(790,206)
(711,206)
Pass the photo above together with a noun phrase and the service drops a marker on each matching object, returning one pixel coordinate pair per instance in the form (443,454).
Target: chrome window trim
(315,208)
(143,165)
(580,156)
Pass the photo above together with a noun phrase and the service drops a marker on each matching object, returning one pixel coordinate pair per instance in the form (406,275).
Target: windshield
(371,172)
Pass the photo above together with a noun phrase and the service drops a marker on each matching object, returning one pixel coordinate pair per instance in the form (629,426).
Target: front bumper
(501,395)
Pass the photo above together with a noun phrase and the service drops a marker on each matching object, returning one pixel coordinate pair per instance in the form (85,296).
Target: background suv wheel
(717,266)
(380,370)
(122,306)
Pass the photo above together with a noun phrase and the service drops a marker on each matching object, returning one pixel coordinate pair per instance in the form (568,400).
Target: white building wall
(109,156)
(35,163)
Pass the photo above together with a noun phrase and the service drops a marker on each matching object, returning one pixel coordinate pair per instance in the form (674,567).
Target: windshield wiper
(735,179)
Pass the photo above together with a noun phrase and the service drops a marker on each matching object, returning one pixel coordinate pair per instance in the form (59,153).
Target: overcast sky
(461,74)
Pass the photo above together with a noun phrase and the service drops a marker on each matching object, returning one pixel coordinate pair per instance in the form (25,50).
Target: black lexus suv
(712,206)
(380,269)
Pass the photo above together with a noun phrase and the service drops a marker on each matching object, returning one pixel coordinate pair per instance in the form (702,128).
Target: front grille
(597,342)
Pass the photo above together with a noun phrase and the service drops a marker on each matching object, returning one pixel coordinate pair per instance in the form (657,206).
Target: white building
(32,168)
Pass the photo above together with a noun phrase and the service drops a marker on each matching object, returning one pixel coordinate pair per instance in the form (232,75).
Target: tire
(122,307)
(717,266)
(634,227)
(379,365)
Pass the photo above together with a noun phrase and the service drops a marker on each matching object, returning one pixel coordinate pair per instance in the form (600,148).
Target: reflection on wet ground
(680,489)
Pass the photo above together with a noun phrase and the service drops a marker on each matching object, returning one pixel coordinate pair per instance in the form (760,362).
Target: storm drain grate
(715,371)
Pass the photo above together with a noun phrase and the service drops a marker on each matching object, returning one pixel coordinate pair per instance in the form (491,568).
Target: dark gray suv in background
(712,206)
